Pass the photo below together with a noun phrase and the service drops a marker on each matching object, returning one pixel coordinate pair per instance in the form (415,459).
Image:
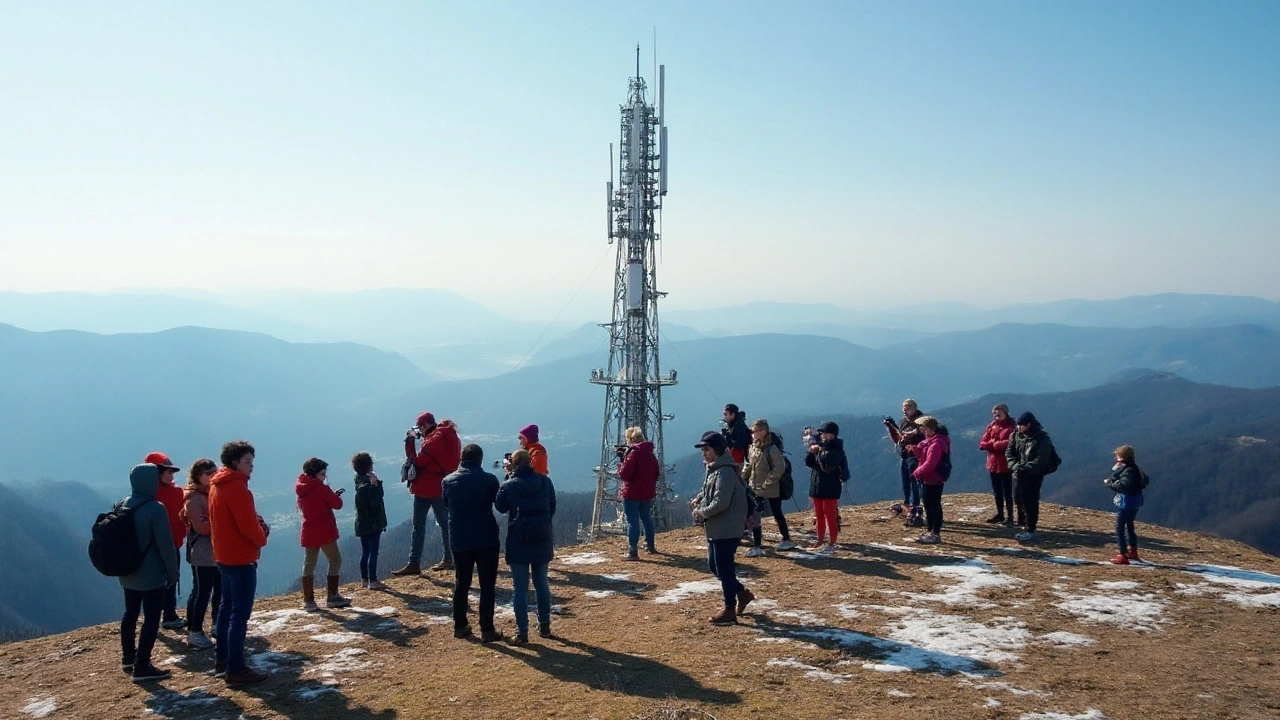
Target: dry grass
(622,655)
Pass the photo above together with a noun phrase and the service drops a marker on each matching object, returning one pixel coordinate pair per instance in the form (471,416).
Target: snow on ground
(599,594)
(1246,588)
(270,622)
(974,575)
(686,590)
(958,635)
(885,655)
(312,693)
(1116,585)
(899,693)
(587,558)
(847,611)
(899,548)
(811,672)
(348,660)
(617,577)
(168,702)
(1125,610)
(40,706)
(271,662)
(1003,686)
(1090,714)
(1055,559)
(387,611)
(1064,560)
(1237,577)
(338,638)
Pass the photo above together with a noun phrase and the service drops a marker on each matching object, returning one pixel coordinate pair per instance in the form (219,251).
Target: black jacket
(826,469)
(469,492)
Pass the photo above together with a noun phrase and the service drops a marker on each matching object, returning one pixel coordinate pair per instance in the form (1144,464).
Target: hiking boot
(309,594)
(488,636)
(756,551)
(544,631)
(199,641)
(376,585)
(996,519)
(335,599)
(651,549)
(409,569)
(521,638)
(744,599)
(174,623)
(442,566)
(149,672)
(246,676)
(1120,559)
(727,616)
(631,555)
(1132,554)
(785,545)
(462,632)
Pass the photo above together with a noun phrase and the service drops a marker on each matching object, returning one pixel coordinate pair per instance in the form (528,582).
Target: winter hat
(426,419)
(530,433)
(712,439)
(1027,418)
(829,427)
(732,408)
(161,460)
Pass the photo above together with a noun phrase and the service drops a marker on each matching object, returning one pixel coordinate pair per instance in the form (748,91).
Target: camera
(416,432)
(812,436)
(890,421)
(621,450)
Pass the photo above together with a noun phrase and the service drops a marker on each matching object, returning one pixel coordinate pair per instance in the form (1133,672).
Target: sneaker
(815,545)
(544,631)
(929,539)
(488,636)
(462,632)
(651,549)
(376,585)
(199,641)
(442,566)
(996,519)
(1120,559)
(1132,554)
(245,677)
(1025,536)
(754,552)
(785,545)
(337,601)
(310,606)
(219,670)
(897,509)
(521,638)
(174,623)
(148,672)
(1010,522)
(631,556)
(826,551)
(126,664)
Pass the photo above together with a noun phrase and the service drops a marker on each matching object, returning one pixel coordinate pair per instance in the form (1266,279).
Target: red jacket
(994,441)
(317,501)
(440,455)
(639,473)
(237,532)
(172,498)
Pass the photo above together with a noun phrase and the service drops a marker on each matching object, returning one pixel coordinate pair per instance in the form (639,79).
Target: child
(319,532)
(371,518)
(1127,482)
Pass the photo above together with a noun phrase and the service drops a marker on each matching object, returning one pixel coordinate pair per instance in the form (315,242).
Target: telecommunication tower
(633,380)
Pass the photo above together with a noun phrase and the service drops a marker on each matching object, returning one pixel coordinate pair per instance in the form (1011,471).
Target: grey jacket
(159,566)
(723,500)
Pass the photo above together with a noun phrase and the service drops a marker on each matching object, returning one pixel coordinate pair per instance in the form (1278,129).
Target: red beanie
(530,433)
(426,419)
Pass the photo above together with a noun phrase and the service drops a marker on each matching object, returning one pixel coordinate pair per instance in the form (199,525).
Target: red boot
(1132,554)
(1119,559)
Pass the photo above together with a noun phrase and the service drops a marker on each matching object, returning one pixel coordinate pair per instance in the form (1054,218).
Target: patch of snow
(617,577)
(588,558)
(1133,611)
(804,617)
(1090,714)
(974,509)
(270,662)
(270,622)
(312,693)
(170,702)
(899,693)
(1117,585)
(991,702)
(800,555)
(960,637)
(811,672)
(1247,600)
(1065,639)
(339,638)
(1006,687)
(1064,560)
(686,590)
(40,706)
(895,656)
(598,594)
(899,548)
(386,611)
(974,575)
(1235,577)
(847,611)
(348,660)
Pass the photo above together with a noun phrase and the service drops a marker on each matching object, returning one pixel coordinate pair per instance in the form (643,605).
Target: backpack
(113,542)
(787,484)
(1055,461)
(1146,479)
(845,475)
(408,472)
(944,466)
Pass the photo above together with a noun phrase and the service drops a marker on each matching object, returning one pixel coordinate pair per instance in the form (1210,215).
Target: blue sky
(846,152)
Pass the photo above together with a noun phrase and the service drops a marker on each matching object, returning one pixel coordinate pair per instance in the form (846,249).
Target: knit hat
(1027,418)
(712,439)
(829,427)
(732,408)
(426,419)
(530,433)
(161,460)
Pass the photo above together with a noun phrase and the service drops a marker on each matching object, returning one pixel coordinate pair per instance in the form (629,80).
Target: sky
(856,153)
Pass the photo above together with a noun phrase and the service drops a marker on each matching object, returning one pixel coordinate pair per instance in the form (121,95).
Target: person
(528,439)
(826,461)
(371,518)
(721,508)
(529,501)
(905,433)
(239,533)
(319,534)
(469,492)
(994,442)
(930,453)
(171,496)
(639,474)
(145,588)
(1127,482)
(763,472)
(206,585)
(736,435)
(1028,456)
(438,456)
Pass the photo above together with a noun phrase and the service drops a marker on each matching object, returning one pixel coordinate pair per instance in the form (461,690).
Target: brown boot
(409,569)
(335,600)
(309,594)
(744,599)
(726,617)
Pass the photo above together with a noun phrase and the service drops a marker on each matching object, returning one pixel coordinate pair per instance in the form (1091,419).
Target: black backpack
(944,466)
(1055,461)
(787,484)
(113,542)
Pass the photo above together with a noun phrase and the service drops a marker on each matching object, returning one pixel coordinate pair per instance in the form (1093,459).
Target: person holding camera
(826,461)
(763,474)
(528,439)
(371,518)
(439,455)
(470,492)
(529,501)
(317,501)
(638,471)
(905,432)
(1028,455)
(995,440)
(721,509)
(737,437)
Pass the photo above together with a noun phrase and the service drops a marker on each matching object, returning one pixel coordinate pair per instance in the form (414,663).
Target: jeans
(331,555)
(910,487)
(932,507)
(638,513)
(720,562)
(171,593)
(239,584)
(420,508)
(1026,493)
(520,594)
(1124,521)
(1002,489)
(369,555)
(149,603)
(206,584)
(485,564)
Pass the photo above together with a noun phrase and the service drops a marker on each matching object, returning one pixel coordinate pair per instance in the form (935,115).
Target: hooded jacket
(317,501)
(529,501)
(195,513)
(825,470)
(723,500)
(639,473)
(994,442)
(764,468)
(538,458)
(930,452)
(171,497)
(440,454)
(159,566)
(1028,454)
(371,512)
(737,436)
(469,492)
(1126,483)
(238,536)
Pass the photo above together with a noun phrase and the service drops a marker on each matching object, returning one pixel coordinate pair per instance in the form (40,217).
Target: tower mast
(633,380)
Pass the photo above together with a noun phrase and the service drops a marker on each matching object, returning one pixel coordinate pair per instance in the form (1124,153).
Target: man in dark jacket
(469,493)
(145,588)
(737,436)
(529,501)
(1028,455)
(907,433)
(826,461)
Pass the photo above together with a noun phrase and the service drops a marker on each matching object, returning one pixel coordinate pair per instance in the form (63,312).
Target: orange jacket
(172,498)
(238,536)
(538,458)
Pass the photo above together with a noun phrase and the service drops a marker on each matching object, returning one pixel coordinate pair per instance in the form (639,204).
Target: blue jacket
(469,493)
(529,500)
(1126,483)
(159,566)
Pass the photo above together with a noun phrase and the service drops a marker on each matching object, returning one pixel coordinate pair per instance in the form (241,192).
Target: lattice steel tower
(633,380)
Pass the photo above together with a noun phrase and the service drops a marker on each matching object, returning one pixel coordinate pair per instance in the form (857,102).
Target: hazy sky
(846,152)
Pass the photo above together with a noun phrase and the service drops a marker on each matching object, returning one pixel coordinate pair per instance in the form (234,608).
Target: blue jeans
(1124,521)
(520,594)
(638,513)
(420,508)
(239,584)
(910,487)
(369,555)
(720,562)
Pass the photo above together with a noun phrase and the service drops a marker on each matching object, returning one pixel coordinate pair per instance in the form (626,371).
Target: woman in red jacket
(639,474)
(317,501)
(994,441)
